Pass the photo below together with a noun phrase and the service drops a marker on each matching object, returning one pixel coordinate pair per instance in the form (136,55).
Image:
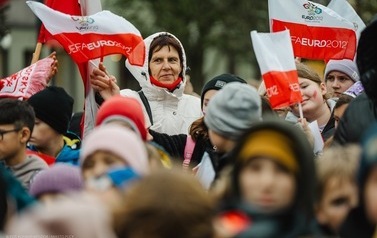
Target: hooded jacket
(172,112)
(295,221)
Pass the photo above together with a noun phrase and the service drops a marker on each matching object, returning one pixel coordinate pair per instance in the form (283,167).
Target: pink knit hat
(126,109)
(59,178)
(118,140)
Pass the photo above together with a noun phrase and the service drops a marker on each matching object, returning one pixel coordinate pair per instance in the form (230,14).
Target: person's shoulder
(34,161)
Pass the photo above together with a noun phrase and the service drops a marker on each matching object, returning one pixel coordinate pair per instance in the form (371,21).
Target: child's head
(16,126)
(55,182)
(126,111)
(233,109)
(272,168)
(111,146)
(336,188)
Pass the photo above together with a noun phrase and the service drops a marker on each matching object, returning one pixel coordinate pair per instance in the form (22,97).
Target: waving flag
(70,7)
(89,37)
(344,8)
(274,54)
(317,32)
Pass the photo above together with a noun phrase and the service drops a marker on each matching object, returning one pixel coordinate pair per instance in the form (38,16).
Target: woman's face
(207,96)
(312,95)
(267,185)
(165,65)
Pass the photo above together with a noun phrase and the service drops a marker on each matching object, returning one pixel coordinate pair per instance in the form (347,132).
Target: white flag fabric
(274,54)
(344,8)
(317,32)
(89,37)
(89,7)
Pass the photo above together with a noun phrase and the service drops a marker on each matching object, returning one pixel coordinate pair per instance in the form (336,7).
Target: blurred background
(215,34)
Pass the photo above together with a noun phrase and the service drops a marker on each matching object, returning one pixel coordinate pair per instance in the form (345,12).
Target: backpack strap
(187,154)
(146,105)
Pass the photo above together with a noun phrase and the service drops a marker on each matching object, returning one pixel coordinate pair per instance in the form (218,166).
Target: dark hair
(199,129)
(166,40)
(342,100)
(18,113)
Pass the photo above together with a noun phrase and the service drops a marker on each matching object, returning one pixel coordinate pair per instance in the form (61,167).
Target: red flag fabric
(317,32)
(71,7)
(274,54)
(89,37)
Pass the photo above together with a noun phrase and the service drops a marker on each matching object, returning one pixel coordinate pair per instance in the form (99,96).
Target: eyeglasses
(2,133)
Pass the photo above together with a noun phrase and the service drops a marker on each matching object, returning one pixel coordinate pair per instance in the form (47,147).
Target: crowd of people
(162,163)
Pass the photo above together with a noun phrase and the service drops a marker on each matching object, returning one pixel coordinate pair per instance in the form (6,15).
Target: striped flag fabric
(89,37)
(317,32)
(345,9)
(274,54)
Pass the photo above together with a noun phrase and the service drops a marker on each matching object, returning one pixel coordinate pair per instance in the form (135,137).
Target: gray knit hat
(345,66)
(233,109)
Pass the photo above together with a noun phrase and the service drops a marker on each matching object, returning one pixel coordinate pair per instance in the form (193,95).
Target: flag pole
(300,110)
(37,53)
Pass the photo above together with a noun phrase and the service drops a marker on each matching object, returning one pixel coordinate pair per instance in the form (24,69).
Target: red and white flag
(89,37)
(317,32)
(70,7)
(344,8)
(274,54)
(28,81)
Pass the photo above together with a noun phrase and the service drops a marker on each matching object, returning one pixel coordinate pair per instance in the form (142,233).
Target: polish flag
(344,8)
(274,54)
(89,37)
(27,81)
(70,7)
(317,32)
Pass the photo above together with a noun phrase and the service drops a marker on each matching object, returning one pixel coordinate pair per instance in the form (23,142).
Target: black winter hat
(218,83)
(53,106)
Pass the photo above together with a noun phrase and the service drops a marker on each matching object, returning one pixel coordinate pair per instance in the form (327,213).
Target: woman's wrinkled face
(267,185)
(165,65)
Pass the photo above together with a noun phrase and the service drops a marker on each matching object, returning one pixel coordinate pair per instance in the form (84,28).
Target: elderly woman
(162,81)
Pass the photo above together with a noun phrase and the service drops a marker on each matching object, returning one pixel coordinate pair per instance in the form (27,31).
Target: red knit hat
(126,109)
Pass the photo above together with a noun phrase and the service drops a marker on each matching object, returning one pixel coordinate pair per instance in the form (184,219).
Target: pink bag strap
(187,154)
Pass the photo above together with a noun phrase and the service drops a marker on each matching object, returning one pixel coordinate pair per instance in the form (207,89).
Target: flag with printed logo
(317,32)
(89,37)
(274,54)
(344,8)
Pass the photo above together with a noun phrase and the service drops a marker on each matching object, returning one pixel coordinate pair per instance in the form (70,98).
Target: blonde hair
(337,162)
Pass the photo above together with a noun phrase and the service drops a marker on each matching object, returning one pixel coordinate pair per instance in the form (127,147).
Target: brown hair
(339,162)
(305,71)
(166,40)
(199,129)
(342,100)
(167,203)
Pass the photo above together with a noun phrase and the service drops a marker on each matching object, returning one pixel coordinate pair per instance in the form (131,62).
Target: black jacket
(359,116)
